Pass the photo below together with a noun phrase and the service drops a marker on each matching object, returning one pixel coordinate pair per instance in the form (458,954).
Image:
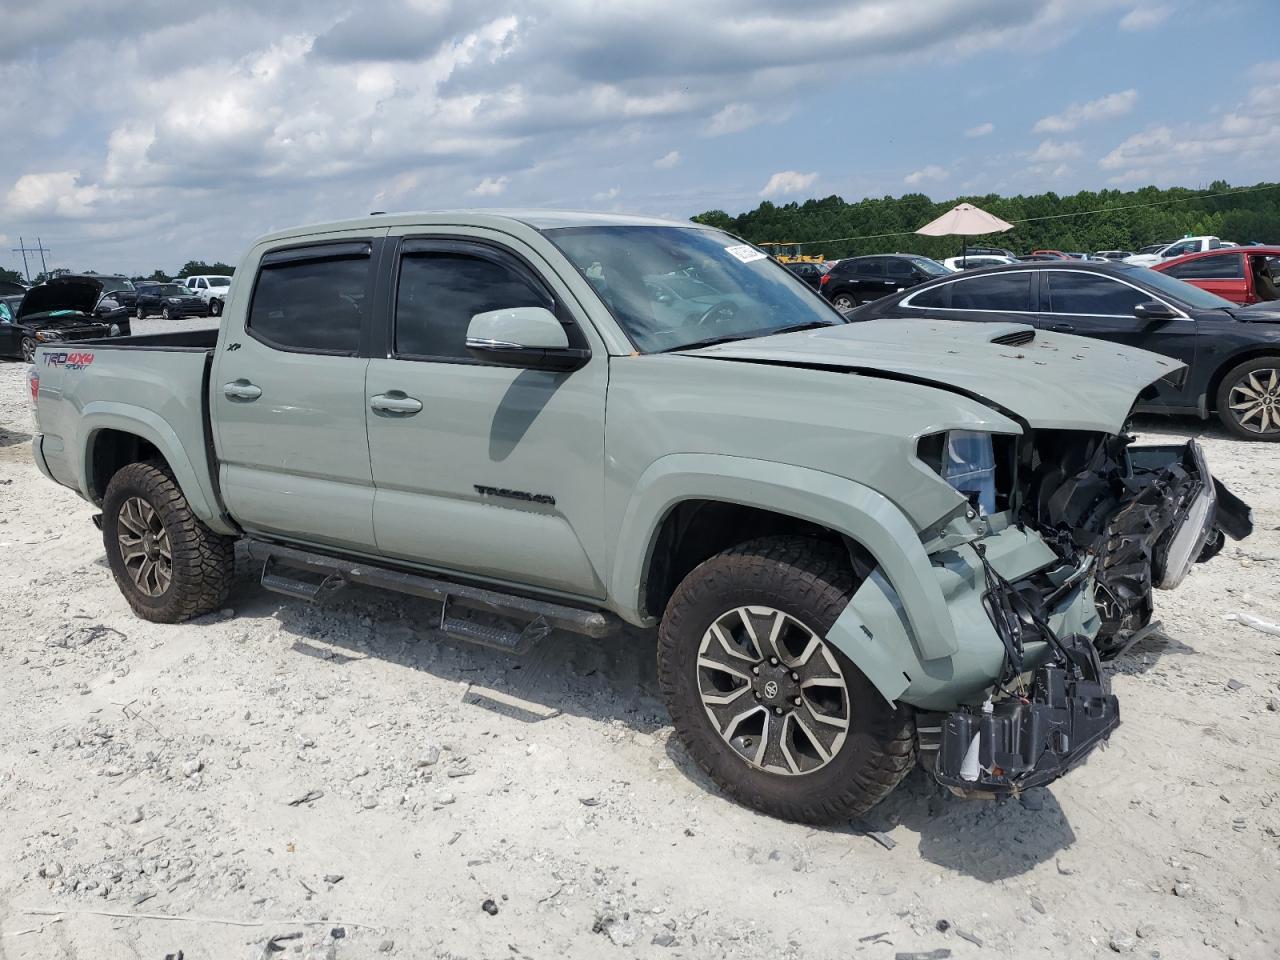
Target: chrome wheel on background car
(1248,399)
(773,690)
(843,301)
(215,308)
(144,547)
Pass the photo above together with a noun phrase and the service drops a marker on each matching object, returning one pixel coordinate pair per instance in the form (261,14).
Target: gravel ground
(339,782)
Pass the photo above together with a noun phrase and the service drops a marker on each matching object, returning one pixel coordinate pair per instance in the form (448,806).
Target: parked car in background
(62,310)
(974,260)
(1178,248)
(810,273)
(1037,257)
(990,252)
(860,280)
(1232,353)
(171,300)
(118,287)
(211,289)
(1242,275)
(1113,254)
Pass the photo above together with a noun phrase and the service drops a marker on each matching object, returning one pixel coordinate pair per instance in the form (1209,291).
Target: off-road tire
(811,581)
(1223,399)
(203,561)
(29,349)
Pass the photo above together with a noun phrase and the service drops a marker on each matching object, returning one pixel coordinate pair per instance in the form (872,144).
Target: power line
(1060,216)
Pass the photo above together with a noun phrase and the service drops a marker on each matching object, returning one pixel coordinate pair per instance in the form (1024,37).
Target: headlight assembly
(48,336)
(968,462)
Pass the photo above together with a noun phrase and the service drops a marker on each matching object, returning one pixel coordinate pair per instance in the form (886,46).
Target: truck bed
(153,387)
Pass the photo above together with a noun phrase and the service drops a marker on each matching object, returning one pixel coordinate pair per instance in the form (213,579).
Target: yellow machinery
(789,252)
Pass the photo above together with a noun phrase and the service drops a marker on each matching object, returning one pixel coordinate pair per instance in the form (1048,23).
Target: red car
(1240,274)
(1050,253)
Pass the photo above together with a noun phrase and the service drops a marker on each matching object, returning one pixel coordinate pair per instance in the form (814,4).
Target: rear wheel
(844,301)
(29,349)
(1249,399)
(169,566)
(775,714)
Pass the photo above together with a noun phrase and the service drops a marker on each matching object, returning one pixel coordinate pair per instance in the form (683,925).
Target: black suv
(118,288)
(860,280)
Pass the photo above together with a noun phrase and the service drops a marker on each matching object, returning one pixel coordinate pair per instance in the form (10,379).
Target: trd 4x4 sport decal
(71,361)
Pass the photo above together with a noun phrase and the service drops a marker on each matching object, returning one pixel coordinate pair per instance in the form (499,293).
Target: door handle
(242,390)
(1062,328)
(395,402)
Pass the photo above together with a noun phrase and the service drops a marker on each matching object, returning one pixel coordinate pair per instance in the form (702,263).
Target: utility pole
(39,248)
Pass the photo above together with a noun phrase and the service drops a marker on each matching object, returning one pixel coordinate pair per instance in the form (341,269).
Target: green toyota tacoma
(861,545)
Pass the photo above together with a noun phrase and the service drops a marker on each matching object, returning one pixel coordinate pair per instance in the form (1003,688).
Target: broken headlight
(967,461)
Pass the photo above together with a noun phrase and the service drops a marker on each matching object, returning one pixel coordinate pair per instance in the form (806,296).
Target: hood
(1050,380)
(62,293)
(10,289)
(1266,312)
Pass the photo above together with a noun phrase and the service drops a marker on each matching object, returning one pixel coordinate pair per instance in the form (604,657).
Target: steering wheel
(726,309)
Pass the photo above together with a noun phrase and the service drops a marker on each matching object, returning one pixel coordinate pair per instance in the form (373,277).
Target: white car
(211,289)
(1177,249)
(975,260)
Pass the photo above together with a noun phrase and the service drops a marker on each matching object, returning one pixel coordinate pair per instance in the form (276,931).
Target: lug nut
(796,701)
(757,694)
(773,661)
(795,676)
(778,711)
(756,671)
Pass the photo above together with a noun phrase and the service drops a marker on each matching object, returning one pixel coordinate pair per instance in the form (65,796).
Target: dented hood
(1052,381)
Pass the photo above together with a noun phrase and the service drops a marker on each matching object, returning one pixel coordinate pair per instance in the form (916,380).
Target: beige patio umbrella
(964,220)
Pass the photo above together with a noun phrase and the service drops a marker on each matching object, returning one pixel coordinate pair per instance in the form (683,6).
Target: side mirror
(1154,310)
(529,337)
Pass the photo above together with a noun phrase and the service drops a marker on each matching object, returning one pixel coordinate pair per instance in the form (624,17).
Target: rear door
(1093,305)
(287,395)
(1002,296)
(489,470)
(1220,273)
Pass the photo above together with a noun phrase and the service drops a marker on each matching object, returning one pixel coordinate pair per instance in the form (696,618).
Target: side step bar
(543,614)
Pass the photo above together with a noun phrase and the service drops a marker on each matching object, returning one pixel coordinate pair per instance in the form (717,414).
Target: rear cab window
(1090,294)
(312,299)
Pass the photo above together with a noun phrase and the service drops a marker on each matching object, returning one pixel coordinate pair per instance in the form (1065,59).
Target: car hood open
(62,293)
(1050,380)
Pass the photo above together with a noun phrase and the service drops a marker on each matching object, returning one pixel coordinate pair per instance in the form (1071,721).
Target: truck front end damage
(1047,571)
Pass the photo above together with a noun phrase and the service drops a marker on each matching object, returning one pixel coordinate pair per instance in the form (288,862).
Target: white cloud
(604,195)
(1104,108)
(1248,136)
(57,193)
(668,160)
(1052,151)
(734,118)
(788,182)
(490,186)
(931,173)
(981,130)
(1146,16)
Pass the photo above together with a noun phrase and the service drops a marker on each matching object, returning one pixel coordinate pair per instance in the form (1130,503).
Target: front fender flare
(837,503)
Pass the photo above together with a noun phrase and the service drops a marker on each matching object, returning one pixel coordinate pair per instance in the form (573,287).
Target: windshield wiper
(812,325)
(712,342)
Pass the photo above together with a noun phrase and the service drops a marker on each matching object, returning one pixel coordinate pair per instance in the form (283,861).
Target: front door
(288,396)
(489,470)
(1092,305)
(1220,273)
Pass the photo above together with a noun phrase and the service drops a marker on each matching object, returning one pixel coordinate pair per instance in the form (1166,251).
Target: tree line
(1129,219)
(192,268)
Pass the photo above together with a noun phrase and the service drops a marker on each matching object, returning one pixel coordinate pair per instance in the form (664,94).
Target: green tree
(194,268)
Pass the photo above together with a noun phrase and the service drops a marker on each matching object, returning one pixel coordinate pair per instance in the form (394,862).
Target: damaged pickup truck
(859,544)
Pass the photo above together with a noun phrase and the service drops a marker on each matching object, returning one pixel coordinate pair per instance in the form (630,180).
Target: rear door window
(1223,266)
(1091,294)
(312,299)
(1009,292)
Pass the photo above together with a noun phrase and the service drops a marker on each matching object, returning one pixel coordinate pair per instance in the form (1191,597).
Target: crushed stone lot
(342,781)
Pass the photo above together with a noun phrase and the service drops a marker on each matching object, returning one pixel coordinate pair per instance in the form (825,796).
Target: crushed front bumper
(1028,740)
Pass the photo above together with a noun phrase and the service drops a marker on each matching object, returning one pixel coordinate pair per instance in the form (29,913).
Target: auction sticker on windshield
(745,252)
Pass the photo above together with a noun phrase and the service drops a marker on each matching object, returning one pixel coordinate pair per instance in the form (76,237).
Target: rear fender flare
(195,484)
(845,506)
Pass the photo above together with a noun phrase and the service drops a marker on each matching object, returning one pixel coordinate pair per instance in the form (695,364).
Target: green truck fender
(194,480)
(837,503)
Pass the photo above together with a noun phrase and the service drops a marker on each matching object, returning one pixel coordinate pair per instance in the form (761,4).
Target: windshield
(931,267)
(170,290)
(672,287)
(219,282)
(1188,293)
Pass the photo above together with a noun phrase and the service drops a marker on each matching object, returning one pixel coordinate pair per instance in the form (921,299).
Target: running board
(541,615)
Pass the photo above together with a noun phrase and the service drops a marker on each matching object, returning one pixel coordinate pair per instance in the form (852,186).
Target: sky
(144,134)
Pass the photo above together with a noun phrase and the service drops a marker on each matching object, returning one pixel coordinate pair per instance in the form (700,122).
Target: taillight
(33,381)
(825,278)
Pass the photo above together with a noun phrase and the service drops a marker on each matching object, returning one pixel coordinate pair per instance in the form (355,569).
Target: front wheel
(165,314)
(772,711)
(1249,399)
(140,314)
(215,308)
(169,566)
(29,349)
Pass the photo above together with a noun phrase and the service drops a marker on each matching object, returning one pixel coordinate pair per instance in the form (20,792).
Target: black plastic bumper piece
(1024,743)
